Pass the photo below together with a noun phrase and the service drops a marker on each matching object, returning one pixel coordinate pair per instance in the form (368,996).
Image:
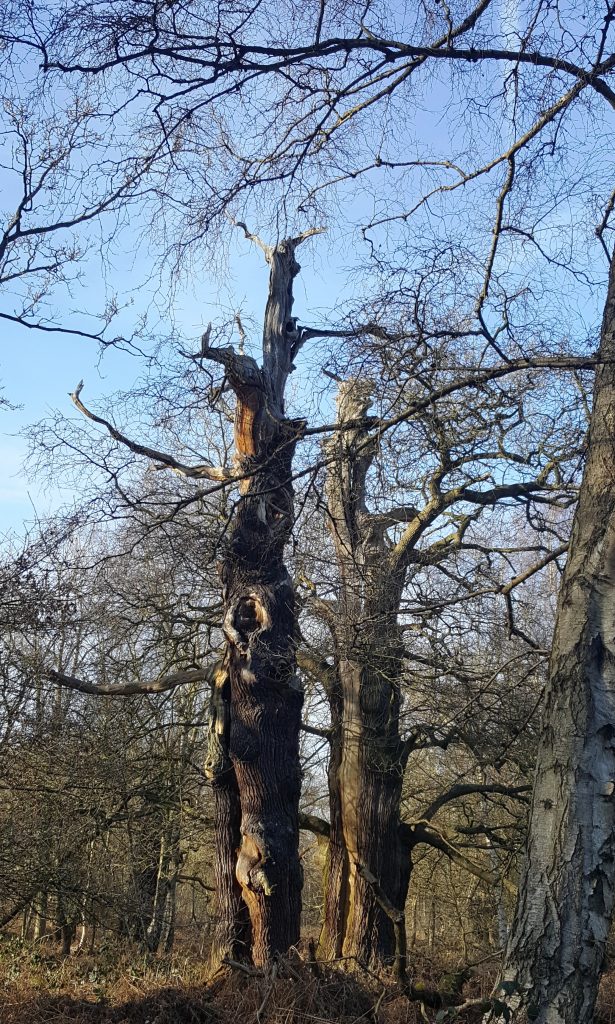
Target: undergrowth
(38,986)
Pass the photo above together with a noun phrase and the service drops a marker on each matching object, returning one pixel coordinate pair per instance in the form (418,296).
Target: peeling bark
(557,942)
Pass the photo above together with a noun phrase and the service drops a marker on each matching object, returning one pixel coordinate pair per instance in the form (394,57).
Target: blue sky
(38,371)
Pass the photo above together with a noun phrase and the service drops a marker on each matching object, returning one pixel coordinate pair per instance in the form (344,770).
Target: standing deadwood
(556,947)
(254,756)
(368,756)
(368,752)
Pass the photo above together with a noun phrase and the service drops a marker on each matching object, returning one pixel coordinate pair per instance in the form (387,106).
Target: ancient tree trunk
(336,867)
(233,934)
(367,763)
(370,781)
(557,941)
(255,733)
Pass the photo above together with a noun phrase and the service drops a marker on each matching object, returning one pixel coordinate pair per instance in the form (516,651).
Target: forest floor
(38,986)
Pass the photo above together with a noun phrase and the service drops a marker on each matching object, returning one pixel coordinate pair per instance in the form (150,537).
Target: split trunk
(367,754)
(254,736)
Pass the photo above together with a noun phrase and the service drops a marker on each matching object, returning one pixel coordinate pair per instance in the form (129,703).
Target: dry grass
(605,1011)
(41,987)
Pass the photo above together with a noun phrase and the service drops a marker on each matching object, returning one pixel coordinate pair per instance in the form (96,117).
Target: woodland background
(460,159)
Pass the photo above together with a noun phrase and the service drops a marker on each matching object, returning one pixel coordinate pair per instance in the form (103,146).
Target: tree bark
(232,934)
(557,941)
(366,772)
(336,866)
(40,919)
(159,932)
(370,779)
(256,734)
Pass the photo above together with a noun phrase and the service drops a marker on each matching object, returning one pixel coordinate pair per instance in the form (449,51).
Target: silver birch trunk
(556,947)
(161,927)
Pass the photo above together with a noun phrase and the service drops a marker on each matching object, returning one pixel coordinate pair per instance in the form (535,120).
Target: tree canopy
(351,525)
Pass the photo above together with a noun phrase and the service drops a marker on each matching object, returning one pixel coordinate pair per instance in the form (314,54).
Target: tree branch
(312,823)
(474,380)
(397,918)
(160,685)
(423,832)
(467,789)
(166,461)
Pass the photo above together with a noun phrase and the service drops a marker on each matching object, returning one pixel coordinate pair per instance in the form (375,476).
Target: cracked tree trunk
(233,933)
(367,759)
(557,942)
(254,739)
(335,885)
(370,782)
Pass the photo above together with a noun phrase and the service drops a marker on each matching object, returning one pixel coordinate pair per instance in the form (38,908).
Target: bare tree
(254,736)
(388,556)
(87,785)
(332,70)
(63,178)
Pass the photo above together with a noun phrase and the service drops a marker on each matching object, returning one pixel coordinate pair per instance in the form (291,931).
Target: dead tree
(371,738)
(367,756)
(254,741)
(253,757)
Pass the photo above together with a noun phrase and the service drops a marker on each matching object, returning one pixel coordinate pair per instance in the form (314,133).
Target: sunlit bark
(557,941)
